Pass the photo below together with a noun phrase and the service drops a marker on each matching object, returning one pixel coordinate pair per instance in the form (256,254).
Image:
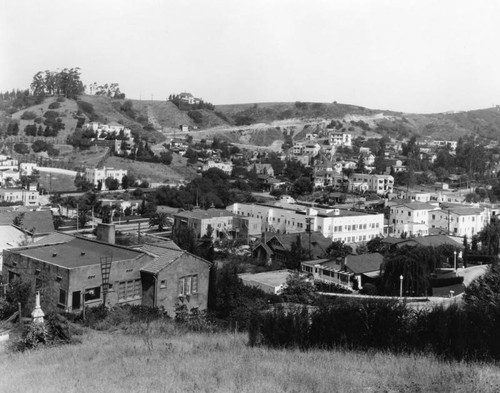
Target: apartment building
(459,221)
(381,184)
(411,218)
(340,139)
(420,219)
(336,224)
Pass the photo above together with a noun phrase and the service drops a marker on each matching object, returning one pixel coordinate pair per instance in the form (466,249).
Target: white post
(401,286)
(37,314)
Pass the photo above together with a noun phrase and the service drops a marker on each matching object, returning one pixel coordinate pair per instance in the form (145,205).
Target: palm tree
(160,219)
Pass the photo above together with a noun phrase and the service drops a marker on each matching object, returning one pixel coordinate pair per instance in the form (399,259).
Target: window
(92,293)
(188,285)
(128,290)
(13,276)
(38,284)
(62,297)
(163,283)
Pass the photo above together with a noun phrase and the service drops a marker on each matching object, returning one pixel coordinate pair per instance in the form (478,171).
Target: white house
(226,167)
(94,175)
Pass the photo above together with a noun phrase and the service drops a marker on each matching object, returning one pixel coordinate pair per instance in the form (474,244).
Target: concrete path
(471,273)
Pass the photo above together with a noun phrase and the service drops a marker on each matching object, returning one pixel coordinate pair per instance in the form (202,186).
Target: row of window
(354,239)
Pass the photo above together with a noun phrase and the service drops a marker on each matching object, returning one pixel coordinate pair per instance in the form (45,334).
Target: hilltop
(252,126)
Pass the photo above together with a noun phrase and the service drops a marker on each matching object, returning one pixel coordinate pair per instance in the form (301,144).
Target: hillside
(176,362)
(177,171)
(251,126)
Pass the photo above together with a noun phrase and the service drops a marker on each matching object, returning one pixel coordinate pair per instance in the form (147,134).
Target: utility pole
(77,218)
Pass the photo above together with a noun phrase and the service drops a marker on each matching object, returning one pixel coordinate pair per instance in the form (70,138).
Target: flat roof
(210,213)
(70,255)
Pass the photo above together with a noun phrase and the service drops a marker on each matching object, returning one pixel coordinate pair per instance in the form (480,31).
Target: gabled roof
(433,240)
(319,243)
(168,258)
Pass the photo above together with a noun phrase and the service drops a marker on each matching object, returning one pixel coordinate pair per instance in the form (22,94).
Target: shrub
(85,107)
(197,116)
(39,120)
(446,281)
(28,115)
(61,99)
(51,115)
(54,105)
(35,335)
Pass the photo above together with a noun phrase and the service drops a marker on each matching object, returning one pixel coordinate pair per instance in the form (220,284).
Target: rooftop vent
(82,253)
(54,254)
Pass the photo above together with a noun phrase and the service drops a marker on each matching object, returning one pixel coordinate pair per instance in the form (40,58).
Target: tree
(375,244)
(185,238)
(18,220)
(299,289)
(21,148)
(302,186)
(360,165)
(490,237)
(296,255)
(159,219)
(338,249)
(484,292)
(82,217)
(82,184)
(111,183)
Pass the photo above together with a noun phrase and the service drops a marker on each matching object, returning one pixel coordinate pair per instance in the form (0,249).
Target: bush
(446,281)
(197,116)
(61,99)
(39,120)
(51,115)
(54,105)
(28,115)
(35,335)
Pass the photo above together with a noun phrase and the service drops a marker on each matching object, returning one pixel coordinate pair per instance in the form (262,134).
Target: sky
(413,56)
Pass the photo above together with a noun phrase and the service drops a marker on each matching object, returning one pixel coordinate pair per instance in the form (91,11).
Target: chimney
(106,233)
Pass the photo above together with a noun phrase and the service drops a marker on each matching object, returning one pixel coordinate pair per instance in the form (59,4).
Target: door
(76,302)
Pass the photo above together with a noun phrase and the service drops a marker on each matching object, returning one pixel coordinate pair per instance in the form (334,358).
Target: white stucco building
(336,224)
(94,175)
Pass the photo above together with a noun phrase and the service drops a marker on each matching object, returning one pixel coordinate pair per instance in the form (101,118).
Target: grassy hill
(155,172)
(171,361)
(260,125)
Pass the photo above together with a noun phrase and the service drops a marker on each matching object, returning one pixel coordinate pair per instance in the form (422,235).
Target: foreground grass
(170,362)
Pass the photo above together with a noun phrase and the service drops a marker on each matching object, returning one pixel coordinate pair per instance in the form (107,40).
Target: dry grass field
(172,362)
(155,172)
